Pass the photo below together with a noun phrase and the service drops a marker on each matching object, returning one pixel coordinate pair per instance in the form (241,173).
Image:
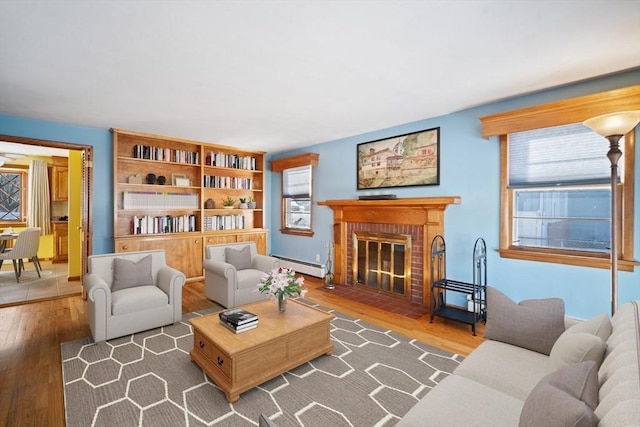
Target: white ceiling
(273,75)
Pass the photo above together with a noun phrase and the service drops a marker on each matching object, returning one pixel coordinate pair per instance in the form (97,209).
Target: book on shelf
(242,328)
(238,316)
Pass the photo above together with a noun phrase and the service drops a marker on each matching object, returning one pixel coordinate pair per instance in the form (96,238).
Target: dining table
(6,238)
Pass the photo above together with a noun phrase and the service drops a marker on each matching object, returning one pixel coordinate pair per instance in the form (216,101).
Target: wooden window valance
(573,110)
(306,159)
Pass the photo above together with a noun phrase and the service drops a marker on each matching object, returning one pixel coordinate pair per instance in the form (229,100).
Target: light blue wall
(100,139)
(470,169)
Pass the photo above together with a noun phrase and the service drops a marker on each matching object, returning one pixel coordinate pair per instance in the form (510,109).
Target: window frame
(574,110)
(281,165)
(287,200)
(24,173)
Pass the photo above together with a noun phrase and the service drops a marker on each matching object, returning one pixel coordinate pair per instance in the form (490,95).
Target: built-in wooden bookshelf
(163,189)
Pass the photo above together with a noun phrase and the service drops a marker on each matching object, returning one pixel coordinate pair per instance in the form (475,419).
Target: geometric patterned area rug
(373,378)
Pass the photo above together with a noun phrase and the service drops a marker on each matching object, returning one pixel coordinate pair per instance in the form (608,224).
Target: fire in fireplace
(382,262)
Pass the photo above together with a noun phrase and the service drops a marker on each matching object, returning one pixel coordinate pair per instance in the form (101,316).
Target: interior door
(86,233)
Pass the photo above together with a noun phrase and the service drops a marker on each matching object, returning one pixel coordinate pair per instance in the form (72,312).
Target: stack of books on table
(238,320)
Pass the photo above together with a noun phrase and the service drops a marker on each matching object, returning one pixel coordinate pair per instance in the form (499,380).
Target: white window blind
(566,155)
(296,182)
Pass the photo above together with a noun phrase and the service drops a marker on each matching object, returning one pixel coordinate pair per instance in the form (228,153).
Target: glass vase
(282,303)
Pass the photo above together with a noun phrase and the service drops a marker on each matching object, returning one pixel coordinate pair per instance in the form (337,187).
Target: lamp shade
(614,123)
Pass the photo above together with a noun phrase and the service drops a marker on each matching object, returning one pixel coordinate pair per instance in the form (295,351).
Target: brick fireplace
(420,218)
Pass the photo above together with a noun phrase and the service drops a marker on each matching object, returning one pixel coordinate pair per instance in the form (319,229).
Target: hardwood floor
(31,334)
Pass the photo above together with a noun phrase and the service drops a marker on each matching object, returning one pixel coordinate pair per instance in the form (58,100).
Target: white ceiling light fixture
(17,150)
(5,159)
(13,155)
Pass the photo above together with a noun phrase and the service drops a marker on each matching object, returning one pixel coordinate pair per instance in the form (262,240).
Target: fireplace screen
(382,262)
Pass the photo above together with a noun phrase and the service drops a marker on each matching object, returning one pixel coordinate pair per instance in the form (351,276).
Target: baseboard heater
(304,267)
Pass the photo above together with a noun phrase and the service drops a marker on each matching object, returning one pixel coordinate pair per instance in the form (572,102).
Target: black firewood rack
(476,309)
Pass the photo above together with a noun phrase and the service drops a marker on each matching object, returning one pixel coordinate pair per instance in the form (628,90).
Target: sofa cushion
(574,347)
(140,298)
(249,279)
(620,371)
(534,324)
(566,397)
(129,274)
(512,370)
(240,259)
(459,401)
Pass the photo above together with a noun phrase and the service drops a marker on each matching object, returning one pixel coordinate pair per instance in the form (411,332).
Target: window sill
(567,259)
(13,224)
(297,232)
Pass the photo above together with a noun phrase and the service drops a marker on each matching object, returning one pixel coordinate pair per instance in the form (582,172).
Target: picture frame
(180,180)
(408,160)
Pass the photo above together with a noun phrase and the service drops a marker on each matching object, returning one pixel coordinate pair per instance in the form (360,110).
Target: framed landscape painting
(401,161)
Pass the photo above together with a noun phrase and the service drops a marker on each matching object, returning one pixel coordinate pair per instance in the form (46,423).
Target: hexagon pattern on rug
(373,377)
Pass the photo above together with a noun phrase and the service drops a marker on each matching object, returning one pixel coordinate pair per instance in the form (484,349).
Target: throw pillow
(533,324)
(599,325)
(129,274)
(581,342)
(576,347)
(566,397)
(240,259)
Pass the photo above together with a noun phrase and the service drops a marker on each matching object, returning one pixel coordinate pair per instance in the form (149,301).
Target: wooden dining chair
(26,246)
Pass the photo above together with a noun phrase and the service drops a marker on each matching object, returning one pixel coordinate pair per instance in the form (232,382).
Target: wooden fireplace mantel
(427,212)
(372,208)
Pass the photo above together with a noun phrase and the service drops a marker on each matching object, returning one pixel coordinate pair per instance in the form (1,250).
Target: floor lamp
(613,127)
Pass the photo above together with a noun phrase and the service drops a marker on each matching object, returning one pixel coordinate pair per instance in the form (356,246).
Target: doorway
(84,174)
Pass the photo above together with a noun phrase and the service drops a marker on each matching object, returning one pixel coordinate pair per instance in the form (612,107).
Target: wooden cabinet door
(62,246)
(60,242)
(188,256)
(259,238)
(60,184)
(182,253)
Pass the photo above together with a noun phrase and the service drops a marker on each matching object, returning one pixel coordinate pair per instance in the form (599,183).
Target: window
(13,185)
(555,182)
(559,180)
(297,192)
(296,196)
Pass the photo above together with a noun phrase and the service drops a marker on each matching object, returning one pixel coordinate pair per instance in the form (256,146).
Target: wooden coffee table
(282,341)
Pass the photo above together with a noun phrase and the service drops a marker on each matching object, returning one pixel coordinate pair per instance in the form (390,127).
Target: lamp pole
(613,127)
(614,155)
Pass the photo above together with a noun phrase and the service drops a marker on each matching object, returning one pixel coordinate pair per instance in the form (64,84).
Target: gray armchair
(131,292)
(232,272)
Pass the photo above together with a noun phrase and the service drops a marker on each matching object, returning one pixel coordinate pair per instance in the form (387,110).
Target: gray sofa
(502,384)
